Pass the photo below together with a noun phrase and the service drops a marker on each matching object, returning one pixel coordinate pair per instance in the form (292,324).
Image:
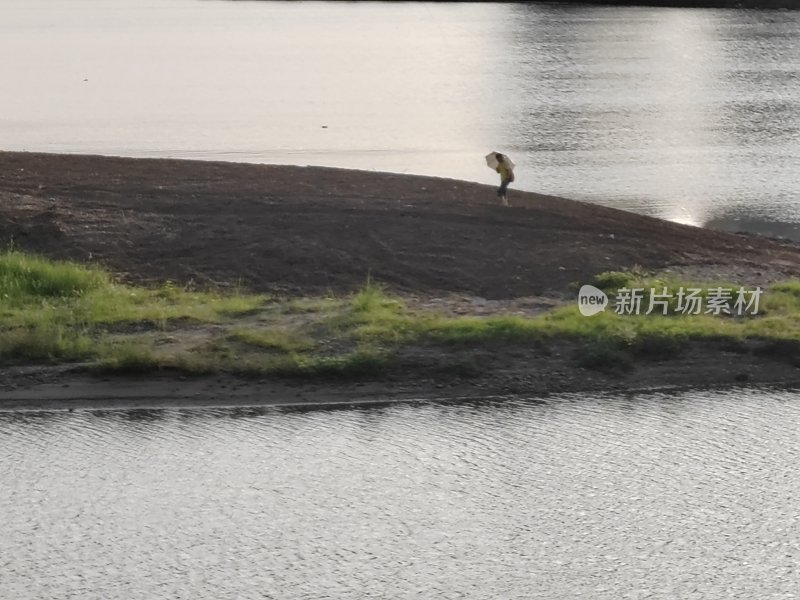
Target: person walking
(503,165)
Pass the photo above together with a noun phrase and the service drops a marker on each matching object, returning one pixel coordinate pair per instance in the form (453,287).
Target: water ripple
(660,496)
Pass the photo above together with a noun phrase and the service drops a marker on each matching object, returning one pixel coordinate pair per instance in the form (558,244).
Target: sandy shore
(439,243)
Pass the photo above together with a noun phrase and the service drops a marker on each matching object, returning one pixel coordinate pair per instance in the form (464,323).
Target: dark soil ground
(304,231)
(310,230)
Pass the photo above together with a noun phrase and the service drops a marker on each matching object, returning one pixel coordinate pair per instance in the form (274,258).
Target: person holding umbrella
(503,165)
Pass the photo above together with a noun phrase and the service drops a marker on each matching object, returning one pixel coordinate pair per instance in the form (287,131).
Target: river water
(663,496)
(689,115)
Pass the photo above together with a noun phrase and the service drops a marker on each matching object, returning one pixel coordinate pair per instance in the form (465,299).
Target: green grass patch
(614,280)
(44,344)
(471,330)
(364,361)
(36,292)
(280,340)
(374,316)
(60,311)
(129,357)
(25,277)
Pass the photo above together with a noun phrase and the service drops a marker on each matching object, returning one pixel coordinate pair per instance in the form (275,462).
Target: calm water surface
(690,115)
(660,496)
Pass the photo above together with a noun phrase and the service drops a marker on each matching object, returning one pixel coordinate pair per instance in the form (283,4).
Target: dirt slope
(310,230)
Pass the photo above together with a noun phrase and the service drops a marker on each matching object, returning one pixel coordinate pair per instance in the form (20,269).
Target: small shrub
(129,358)
(614,280)
(601,355)
(361,363)
(657,346)
(44,344)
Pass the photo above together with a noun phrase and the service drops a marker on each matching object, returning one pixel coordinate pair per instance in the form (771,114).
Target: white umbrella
(491,160)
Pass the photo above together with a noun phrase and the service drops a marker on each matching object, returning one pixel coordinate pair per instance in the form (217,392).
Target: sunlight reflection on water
(690,115)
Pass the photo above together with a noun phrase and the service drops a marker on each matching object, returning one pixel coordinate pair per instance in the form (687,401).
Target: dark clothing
(501,191)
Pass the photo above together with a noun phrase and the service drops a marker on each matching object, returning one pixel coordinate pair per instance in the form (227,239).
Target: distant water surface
(691,495)
(690,115)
